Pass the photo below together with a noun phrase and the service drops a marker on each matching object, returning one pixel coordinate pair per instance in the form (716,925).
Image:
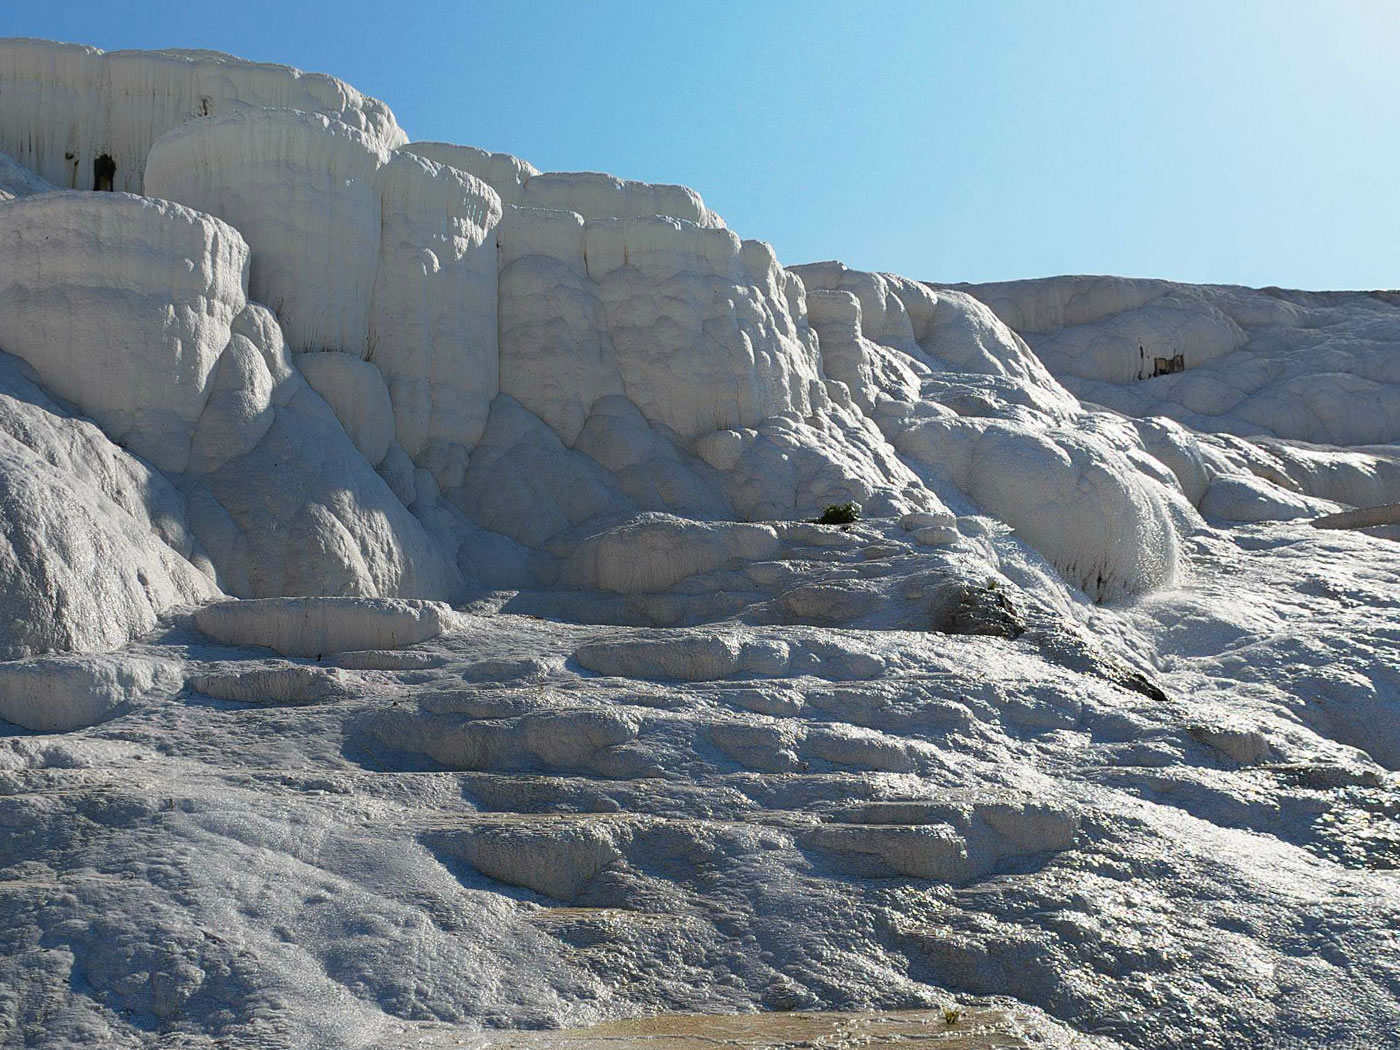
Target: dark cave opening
(103,169)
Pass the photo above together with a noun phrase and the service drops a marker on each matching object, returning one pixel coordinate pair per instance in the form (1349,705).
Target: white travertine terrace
(526,352)
(402,249)
(1302,366)
(1076,712)
(88,296)
(65,109)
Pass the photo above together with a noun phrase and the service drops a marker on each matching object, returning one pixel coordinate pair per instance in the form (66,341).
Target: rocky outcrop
(85,119)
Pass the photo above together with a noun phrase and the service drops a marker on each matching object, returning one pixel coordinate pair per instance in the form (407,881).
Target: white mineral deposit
(429,604)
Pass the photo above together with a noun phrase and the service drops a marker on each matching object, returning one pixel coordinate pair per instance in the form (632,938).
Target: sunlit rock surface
(84,119)
(414,621)
(1275,362)
(958,1029)
(96,545)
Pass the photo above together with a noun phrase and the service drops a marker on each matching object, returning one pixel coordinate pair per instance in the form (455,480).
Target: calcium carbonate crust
(413,616)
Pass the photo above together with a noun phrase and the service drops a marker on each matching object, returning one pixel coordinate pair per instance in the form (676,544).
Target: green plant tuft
(840,514)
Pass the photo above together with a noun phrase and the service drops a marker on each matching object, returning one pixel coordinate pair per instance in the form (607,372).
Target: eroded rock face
(323,626)
(122,305)
(402,249)
(136,310)
(356,393)
(674,731)
(1305,366)
(95,544)
(85,119)
(61,693)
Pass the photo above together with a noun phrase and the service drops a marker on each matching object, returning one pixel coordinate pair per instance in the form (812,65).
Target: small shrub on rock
(840,514)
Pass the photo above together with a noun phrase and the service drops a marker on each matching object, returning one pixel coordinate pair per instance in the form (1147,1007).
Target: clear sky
(1242,141)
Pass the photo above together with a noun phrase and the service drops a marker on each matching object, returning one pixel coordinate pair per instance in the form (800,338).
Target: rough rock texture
(54,694)
(123,305)
(85,119)
(1311,366)
(1077,711)
(323,626)
(495,830)
(95,545)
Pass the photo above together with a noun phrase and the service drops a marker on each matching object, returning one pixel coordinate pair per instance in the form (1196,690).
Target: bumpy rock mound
(1302,365)
(1080,502)
(323,626)
(60,693)
(85,119)
(95,545)
(136,309)
(123,305)
(655,552)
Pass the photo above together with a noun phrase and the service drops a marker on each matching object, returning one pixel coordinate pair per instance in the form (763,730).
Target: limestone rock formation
(85,119)
(418,610)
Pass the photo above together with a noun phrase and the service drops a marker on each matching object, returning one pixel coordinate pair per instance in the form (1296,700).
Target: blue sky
(1231,141)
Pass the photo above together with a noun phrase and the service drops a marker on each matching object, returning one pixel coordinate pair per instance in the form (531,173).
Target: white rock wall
(93,542)
(591,194)
(300,187)
(123,305)
(556,353)
(433,326)
(597,307)
(382,255)
(63,107)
